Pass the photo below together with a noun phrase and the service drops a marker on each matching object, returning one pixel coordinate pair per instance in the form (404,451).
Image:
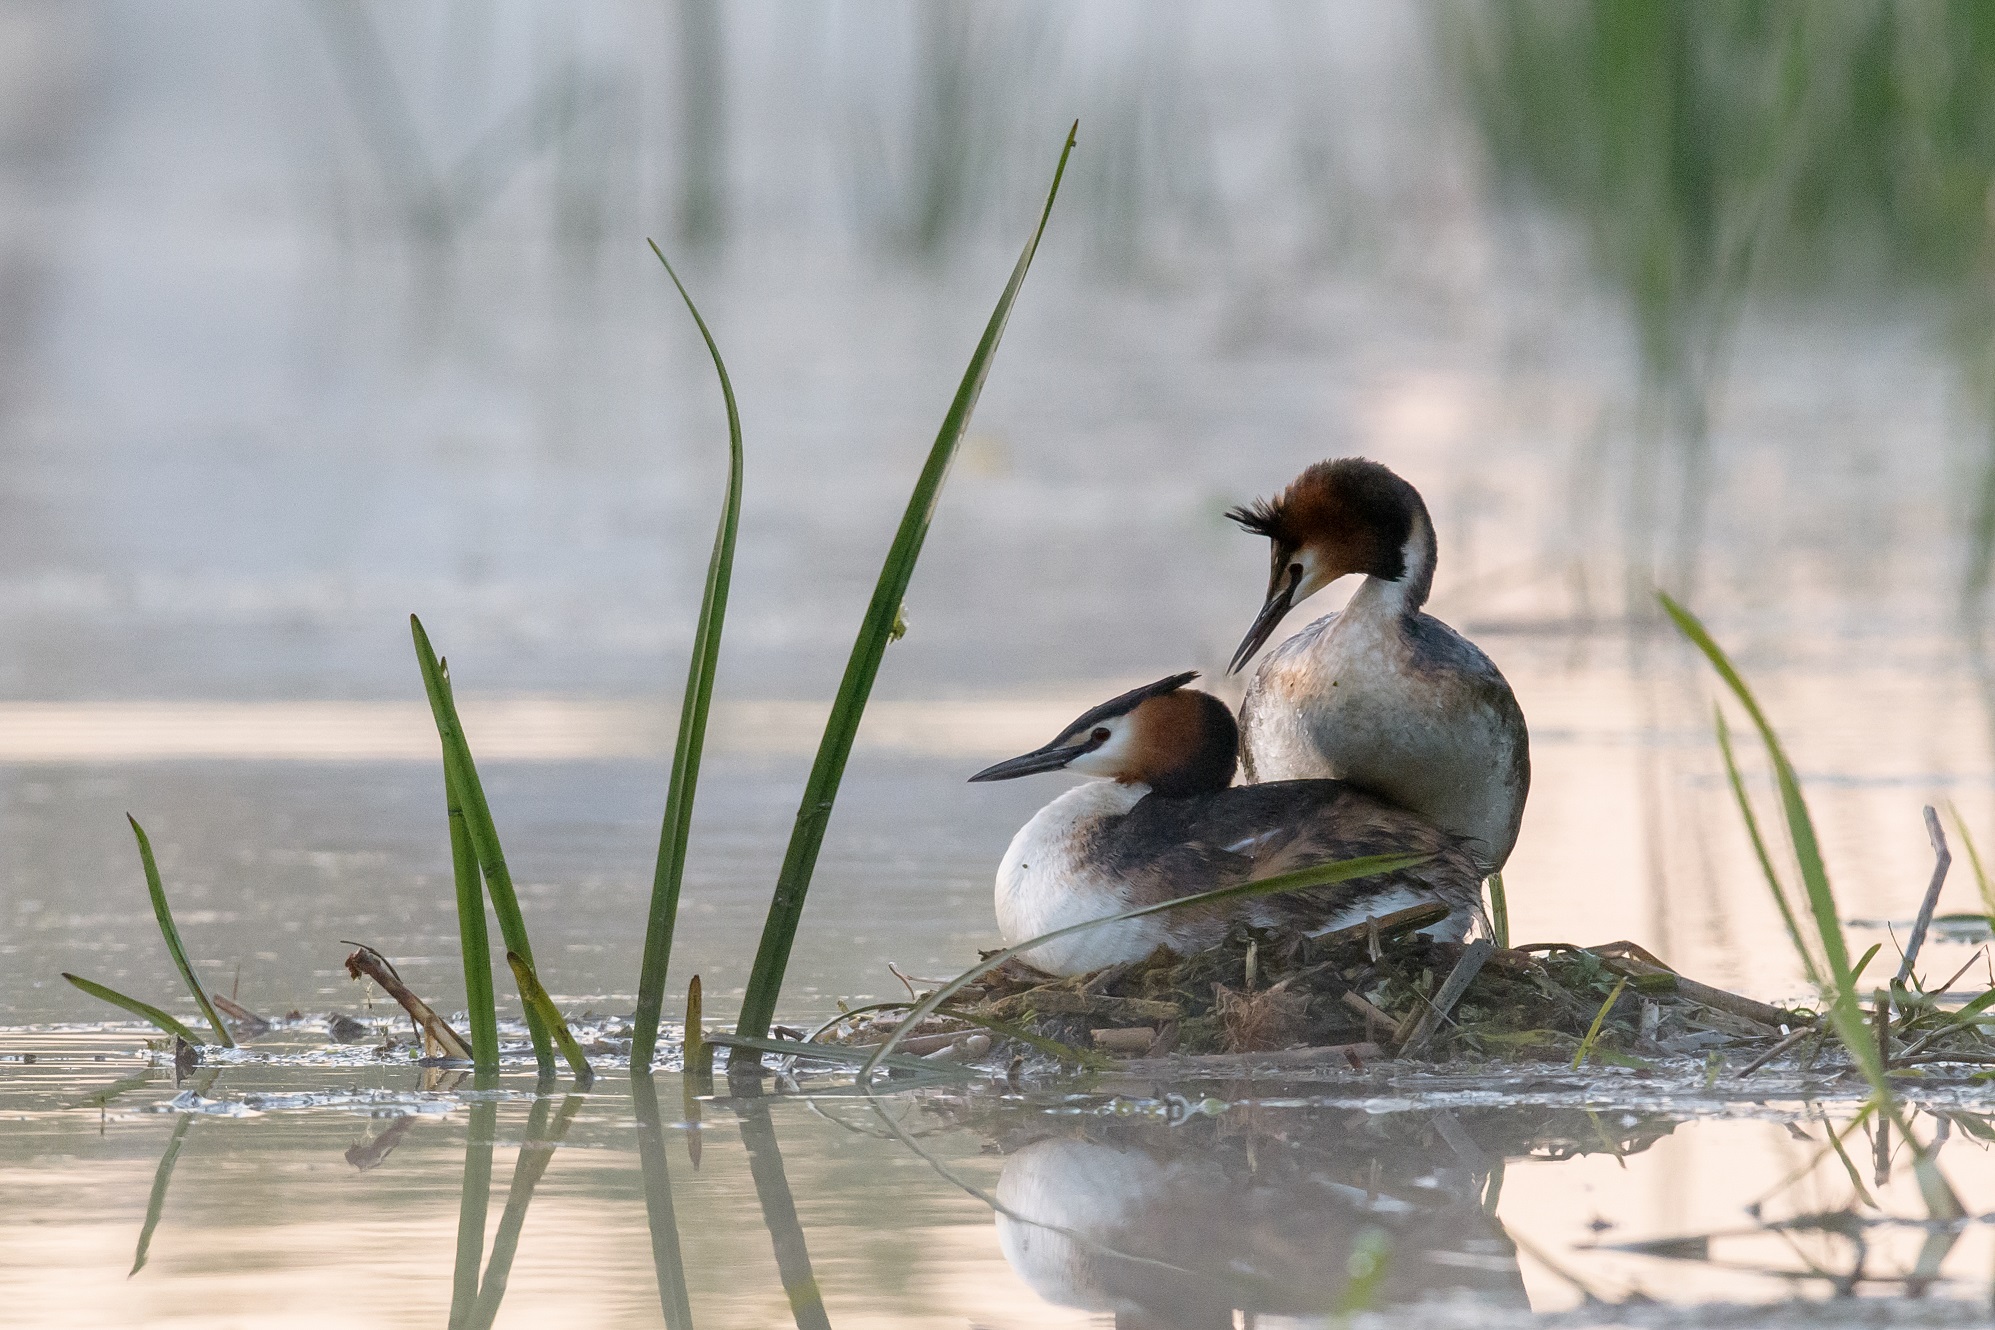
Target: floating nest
(1376,990)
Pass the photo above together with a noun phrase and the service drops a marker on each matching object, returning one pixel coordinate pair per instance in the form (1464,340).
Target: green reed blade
(172,936)
(686,751)
(1751,819)
(654,1162)
(474,1203)
(1981,879)
(1321,875)
(143,1010)
(772,956)
(1499,911)
(1599,1019)
(462,774)
(155,1203)
(1845,1006)
(852,1057)
(479,1000)
(537,1000)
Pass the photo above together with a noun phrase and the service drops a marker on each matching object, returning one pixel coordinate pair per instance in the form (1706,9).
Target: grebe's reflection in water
(1295,1214)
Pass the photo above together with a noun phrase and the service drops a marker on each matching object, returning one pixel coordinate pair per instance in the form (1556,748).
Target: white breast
(1045,883)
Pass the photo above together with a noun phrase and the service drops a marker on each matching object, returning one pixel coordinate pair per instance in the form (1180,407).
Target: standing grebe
(1381,695)
(1166,822)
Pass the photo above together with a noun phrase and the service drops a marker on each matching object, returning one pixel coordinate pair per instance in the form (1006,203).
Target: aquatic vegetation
(691,742)
(534,994)
(474,945)
(461,774)
(163,914)
(1825,956)
(881,625)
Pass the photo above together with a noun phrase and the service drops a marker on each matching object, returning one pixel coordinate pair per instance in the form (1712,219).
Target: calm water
(254,410)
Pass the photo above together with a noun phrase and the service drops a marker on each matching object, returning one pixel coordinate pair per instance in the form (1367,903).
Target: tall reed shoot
(461,775)
(876,630)
(1825,957)
(670,870)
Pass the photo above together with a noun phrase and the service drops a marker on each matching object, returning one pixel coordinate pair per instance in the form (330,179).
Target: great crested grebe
(1380,695)
(1167,822)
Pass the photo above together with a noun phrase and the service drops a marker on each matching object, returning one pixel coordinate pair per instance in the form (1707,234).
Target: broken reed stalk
(695,1055)
(534,994)
(1942,860)
(474,944)
(676,826)
(1845,1009)
(1457,983)
(439,1040)
(143,1010)
(876,630)
(1321,875)
(462,773)
(164,915)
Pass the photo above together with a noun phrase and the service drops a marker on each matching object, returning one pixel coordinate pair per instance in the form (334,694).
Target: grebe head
(1349,515)
(1176,740)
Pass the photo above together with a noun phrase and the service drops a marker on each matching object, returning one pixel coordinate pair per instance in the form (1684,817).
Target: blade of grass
(693,1043)
(838,1053)
(143,1010)
(772,954)
(1974,860)
(691,743)
(1499,911)
(480,1004)
(172,936)
(1599,1019)
(1751,819)
(1321,875)
(537,1000)
(1845,1008)
(462,773)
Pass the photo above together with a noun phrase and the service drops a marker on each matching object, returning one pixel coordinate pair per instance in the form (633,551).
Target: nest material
(1381,988)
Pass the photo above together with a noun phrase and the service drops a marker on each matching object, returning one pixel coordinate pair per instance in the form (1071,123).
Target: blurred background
(319,313)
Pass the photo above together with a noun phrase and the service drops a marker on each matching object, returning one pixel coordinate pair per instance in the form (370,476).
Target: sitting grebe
(1166,821)
(1380,695)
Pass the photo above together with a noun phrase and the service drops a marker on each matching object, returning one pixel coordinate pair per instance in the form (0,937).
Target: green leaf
(462,775)
(143,1010)
(779,931)
(172,936)
(473,942)
(670,870)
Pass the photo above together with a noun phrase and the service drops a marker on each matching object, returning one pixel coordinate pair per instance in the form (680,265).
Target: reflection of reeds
(779,1212)
(536,1153)
(666,1257)
(881,625)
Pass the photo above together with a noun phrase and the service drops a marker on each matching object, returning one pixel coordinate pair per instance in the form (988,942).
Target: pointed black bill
(1050,758)
(1281,595)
